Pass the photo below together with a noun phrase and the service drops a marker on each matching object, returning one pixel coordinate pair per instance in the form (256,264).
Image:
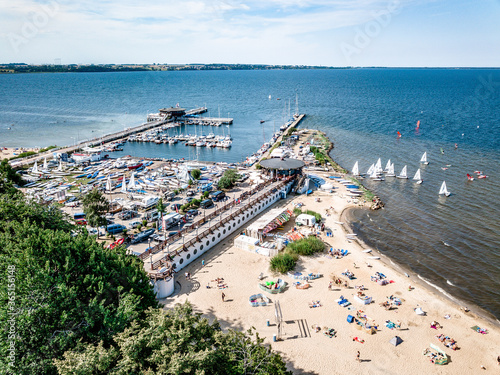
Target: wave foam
(441,290)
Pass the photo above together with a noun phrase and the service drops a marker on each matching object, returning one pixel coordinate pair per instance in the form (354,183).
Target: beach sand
(9,152)
(308,352)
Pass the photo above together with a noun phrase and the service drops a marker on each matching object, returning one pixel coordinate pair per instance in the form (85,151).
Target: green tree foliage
(8,177)
(315,214)
(206,194)
(196,174)
(178,341)
(69,290)
(228,179)
(95,206)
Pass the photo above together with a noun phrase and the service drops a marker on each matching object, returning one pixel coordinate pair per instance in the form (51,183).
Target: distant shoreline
(20,68)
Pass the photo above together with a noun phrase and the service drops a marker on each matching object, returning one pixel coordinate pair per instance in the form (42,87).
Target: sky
(393,33)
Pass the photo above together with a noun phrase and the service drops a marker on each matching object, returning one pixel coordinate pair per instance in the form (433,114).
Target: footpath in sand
(308,352)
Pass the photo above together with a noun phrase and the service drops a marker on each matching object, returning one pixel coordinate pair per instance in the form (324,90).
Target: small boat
(482,176)
(387,166)
(273,287)
(469,177)
(135,166)
(417,177)
(390,171)
(444,191)
(367,251)
(258,300)
(403,173)
(423,159)
(304,285)
(262,121)
(442,151)
(355,169)
(374,258)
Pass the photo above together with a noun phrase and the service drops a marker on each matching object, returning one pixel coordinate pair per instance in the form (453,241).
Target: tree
(228,179)
(9,178)
(69,290)
(174,342)
(196,174)
(95,206)
(160,206)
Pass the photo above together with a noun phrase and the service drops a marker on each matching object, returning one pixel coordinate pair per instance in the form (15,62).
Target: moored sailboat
(390,171)
(355,169)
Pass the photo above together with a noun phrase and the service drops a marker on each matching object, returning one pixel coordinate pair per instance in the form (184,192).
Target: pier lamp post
(74,140)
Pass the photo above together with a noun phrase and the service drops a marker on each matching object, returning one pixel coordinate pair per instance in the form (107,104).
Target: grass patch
(306,246)
(315,214)
(297,211)
(367,194)
(283,262)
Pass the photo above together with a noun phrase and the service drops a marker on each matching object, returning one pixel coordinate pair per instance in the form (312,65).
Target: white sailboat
(403,173)
(376,176)
(378,166)
(417,177)
(45,165)
(35,168)
(60,167)
(370,170)
(131,183)
(390,171)
(444,191)
(355,169)
(108,184)
(387,166)
(423,159)
(124,185)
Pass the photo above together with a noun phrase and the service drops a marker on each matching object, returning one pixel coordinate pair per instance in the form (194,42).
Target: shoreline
(417,279)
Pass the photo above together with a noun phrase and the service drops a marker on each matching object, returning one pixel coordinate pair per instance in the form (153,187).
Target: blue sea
(452,242)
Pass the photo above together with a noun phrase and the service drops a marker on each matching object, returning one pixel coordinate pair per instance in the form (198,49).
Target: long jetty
(107,138)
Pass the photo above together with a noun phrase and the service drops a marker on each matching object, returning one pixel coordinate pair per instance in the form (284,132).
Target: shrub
(196,174)
(176,191)
(139,227)
(297,211)
(206,194)
(306,246)
(283,262)
(315,214)
(144,222)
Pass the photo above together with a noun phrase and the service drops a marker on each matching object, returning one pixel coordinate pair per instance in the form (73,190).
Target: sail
(45,165)
(35,168)
(403,173)
(399,134)
(378,166)
(443,189)
(131,183)
(60,168)
(108,183)
(355,169)
(388,165)
(371,169)
(418,124)
(469,177)
(390,170)
(124,185)
(417,175)
(423,159)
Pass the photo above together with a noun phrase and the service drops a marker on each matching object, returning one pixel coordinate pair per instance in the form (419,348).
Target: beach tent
(350,318)
(396,340)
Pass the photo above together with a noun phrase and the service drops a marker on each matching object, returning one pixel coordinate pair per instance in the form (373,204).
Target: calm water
(452,242)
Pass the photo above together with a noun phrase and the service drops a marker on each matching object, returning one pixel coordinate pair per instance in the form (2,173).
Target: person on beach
(358,356)
(223,296)
(203,263)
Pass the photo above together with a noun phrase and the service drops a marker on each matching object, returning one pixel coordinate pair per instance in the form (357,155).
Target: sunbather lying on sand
(358,340)
(435,325)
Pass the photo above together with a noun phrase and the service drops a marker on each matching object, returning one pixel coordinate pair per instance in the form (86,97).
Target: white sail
(390,171)
(423,159)
(355,169)
(388,165)
(378,166)
(45,165)
(403,173)
(108,183)
(444,190)
(417,175)
(35,168)
(370,170)
(60,168)
(131,183)
(124,185)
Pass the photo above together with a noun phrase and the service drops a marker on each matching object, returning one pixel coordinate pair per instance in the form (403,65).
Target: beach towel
(479,330)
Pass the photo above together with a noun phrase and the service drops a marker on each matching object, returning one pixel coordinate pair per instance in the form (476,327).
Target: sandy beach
(9,152)
(310,352)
